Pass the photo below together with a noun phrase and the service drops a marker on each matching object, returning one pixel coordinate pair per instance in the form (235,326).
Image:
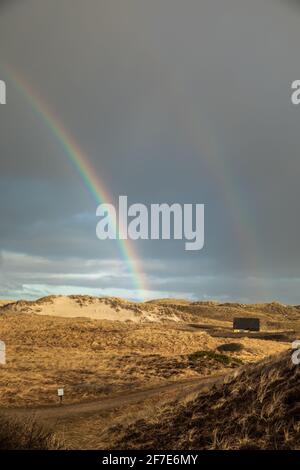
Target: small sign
(60,392)
(2,92)
(2,353)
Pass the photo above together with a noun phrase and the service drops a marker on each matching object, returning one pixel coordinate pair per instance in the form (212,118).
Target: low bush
(210,355)
(25,434)
(230,347)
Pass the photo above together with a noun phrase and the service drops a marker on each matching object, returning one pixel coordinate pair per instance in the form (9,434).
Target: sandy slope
(96,308)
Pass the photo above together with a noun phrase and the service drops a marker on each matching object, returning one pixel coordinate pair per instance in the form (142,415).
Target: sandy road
(181,388)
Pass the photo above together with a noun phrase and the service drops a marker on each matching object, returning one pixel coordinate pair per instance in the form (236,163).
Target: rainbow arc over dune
(82,165)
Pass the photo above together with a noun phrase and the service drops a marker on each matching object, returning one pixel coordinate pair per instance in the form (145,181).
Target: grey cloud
(171,102)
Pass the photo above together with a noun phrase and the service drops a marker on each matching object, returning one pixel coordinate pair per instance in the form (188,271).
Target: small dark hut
(248,324)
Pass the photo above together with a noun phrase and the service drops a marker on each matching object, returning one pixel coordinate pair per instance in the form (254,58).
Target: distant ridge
(272,314)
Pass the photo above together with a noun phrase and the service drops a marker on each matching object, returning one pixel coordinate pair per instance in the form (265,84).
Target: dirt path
(89,408)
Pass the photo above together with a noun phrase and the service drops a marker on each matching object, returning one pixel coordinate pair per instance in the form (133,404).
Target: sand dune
(97,308)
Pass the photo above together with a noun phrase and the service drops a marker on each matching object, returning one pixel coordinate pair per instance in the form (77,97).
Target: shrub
(230,347)
(210,355)
(25,434)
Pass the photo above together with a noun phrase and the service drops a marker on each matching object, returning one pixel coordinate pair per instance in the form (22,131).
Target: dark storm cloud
(172,102)
(292,3)
(6,3)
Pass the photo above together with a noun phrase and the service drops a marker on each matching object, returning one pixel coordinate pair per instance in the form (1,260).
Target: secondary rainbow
(83,167)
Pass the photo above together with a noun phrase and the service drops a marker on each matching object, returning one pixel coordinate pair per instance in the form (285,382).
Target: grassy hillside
(259,408)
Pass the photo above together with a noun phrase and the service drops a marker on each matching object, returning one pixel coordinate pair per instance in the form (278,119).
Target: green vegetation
(222,358)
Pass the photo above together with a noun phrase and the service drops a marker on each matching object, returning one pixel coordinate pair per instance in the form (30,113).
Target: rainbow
(83,167)
(205,141)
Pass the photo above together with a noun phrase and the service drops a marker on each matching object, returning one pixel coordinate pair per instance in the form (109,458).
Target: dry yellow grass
(93,358)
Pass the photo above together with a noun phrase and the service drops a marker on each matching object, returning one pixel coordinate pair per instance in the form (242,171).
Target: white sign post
(2,92)
(2,353)
(60,393)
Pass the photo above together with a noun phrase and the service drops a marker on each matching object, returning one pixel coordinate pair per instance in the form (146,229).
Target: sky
(171,101)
